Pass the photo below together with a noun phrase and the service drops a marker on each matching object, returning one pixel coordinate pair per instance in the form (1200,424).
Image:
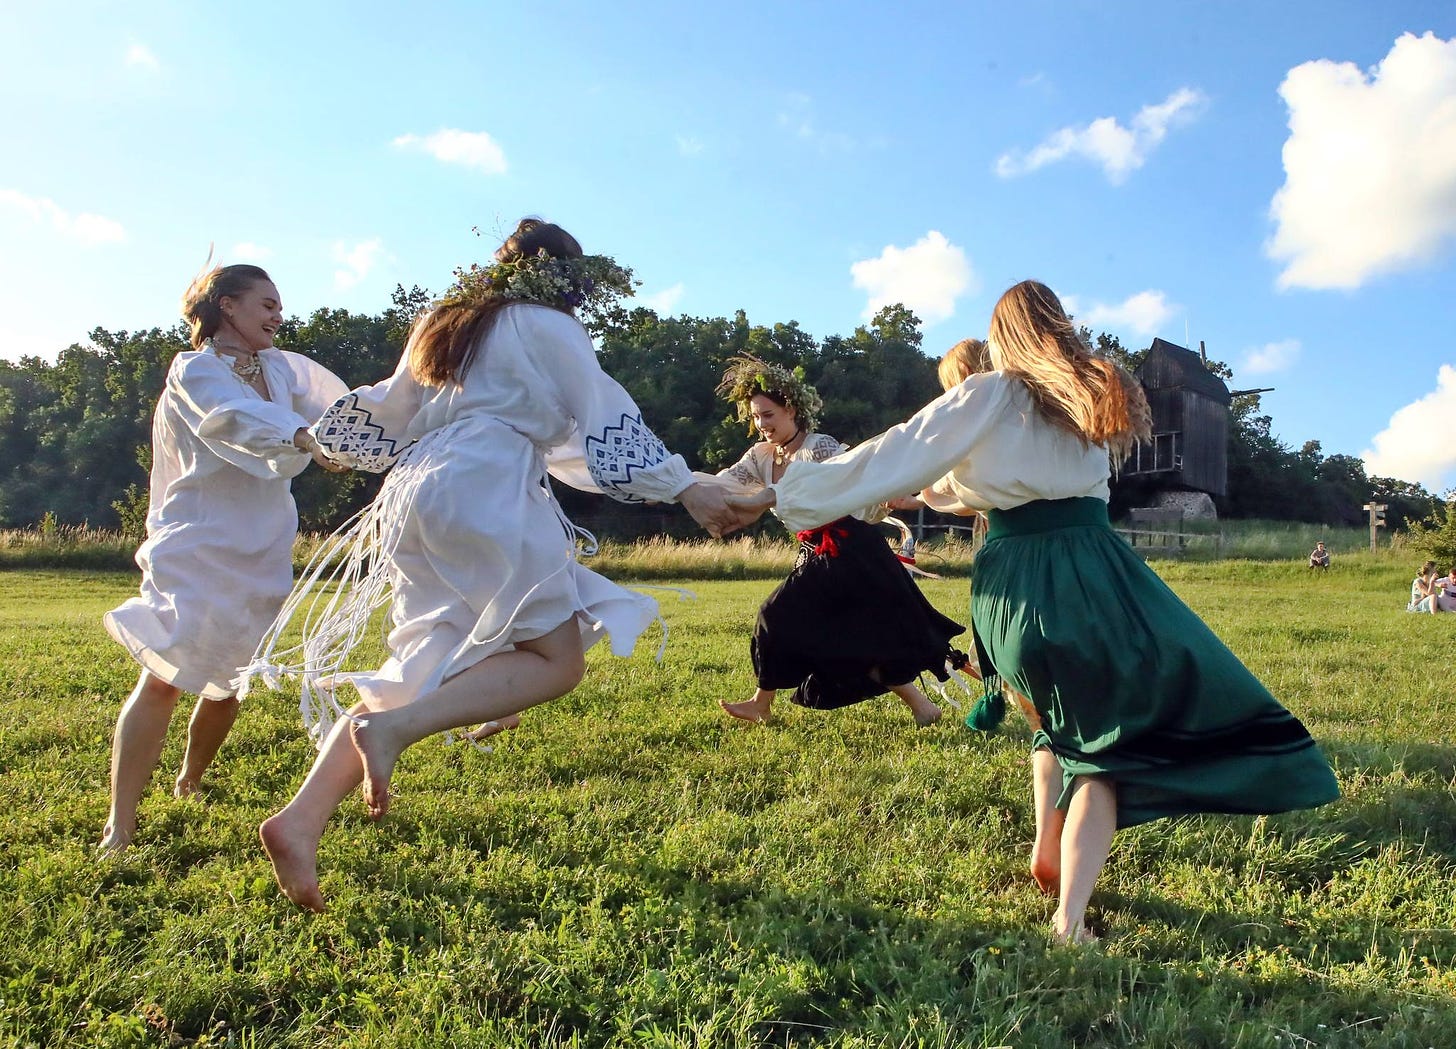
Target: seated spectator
(1446,591)
(1319,557)
(1425,589)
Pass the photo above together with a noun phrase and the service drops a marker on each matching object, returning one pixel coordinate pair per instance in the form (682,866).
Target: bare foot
(185,788)
(751,710)
(295,862)
(113,842)
(926,715)
(1072,935)
(1046,867)
(491,728)
(378,757)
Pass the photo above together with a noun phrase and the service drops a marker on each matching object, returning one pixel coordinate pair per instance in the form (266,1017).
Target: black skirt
(848,622)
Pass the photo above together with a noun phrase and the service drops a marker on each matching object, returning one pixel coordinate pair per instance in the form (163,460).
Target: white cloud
(927,277)
(1119,150)
(471,149)
(663,302)
(689,146)
(1271,357)
(247,251)
(1415,445)
(140,56)
(1369,166)
(1143,313)
(358,261)
(84,227)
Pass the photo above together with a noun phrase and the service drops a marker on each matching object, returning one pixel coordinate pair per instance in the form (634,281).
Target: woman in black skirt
(848,623)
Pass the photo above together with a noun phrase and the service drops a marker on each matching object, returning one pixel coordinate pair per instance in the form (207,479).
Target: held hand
(750,507)
(324,461)
(904,502)
(307,442)
(709,508)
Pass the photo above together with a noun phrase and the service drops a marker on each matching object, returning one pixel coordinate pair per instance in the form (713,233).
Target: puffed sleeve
(366,428)
(905,458)
(242,429)
(611,450)
(315,388)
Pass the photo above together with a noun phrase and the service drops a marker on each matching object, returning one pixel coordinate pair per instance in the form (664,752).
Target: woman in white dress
(229,434)
(490,611)
(1144,713)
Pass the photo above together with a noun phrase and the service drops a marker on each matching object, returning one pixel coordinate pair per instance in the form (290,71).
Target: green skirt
(1129,682)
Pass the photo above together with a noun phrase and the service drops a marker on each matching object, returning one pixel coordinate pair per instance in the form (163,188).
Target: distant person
(229,434)
(1426,591)
(1145,713)
(1319,557)
(847,624)
(1446,598)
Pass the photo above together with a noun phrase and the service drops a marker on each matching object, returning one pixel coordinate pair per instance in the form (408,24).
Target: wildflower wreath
(591,285)
(748,375)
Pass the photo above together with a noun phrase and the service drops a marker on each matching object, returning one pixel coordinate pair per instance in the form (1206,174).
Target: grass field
(630,868)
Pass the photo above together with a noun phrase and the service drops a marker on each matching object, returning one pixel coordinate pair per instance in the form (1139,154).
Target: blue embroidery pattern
(618,452)
(349,431)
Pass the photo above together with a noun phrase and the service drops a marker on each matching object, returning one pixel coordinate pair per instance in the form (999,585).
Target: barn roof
(1168,365)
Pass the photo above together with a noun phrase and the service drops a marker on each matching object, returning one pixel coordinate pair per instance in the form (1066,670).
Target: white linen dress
(465,540)
(218,558)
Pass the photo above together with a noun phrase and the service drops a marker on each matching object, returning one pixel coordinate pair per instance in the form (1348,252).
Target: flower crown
(591,284)
(747,375)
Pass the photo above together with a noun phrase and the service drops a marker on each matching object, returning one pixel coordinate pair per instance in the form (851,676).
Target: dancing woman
(229,434)
(848,623)
(491,614)
(1145,713)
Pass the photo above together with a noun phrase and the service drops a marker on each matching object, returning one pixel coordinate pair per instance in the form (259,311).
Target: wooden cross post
(1377,519)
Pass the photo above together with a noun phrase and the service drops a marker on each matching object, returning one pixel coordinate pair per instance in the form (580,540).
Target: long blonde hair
(1033,340)
(966,358)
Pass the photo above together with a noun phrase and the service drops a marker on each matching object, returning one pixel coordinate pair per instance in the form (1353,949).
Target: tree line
(75,434)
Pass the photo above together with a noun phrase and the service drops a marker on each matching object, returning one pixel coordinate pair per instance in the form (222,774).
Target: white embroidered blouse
(980,446)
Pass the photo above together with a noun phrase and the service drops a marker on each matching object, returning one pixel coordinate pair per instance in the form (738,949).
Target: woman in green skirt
(1144,712)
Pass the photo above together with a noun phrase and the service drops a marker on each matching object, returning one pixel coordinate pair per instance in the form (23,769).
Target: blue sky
(1276,180)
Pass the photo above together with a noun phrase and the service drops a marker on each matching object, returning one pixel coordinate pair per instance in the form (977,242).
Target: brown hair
(966,358)
(1033,339)
(202,302)
(445,339)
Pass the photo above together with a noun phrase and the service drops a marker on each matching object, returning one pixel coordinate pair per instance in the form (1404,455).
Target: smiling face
(251,319)
(775,423)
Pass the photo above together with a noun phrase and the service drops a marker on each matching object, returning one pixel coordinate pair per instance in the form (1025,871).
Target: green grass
(630,868)
(763,557)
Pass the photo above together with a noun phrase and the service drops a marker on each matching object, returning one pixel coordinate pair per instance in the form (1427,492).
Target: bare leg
(926,713)
(503,684)
(212,720)
(492,690)
(291,836)
(1046,850)
(756,710)
(136,747)
(1086,840)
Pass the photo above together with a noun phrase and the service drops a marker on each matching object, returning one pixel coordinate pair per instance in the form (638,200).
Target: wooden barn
(1190,404)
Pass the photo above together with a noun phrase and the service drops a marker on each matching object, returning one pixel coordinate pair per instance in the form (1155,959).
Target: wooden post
(1377,519)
